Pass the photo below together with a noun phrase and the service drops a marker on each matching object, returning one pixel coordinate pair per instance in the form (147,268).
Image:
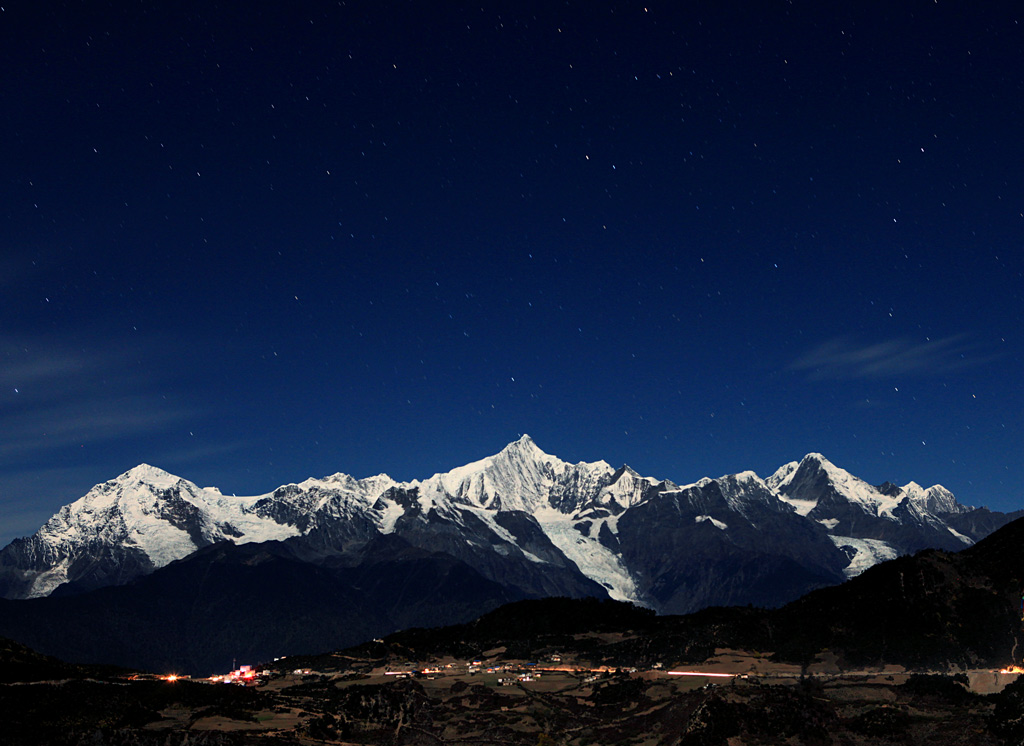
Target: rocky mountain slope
(524,519)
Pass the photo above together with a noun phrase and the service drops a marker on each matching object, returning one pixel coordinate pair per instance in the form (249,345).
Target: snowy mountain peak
(818,488)
(626,488)
(346,482)
(936,499)
(146,474)
(914,490)
(746,491)
(817,458)
(782,475)
(747,476)
(519,477)
(741,483)
(525,441)
(137,522)
(815,462)
(525,450)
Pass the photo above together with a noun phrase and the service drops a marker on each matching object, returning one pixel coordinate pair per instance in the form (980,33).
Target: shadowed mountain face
(252,602)
(932,610)
(935,608)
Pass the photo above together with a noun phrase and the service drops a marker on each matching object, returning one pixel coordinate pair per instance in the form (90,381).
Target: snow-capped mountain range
(524,519)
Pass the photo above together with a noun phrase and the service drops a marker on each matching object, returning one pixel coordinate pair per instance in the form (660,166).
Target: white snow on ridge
(965,539)
(716,523)
(857,490)
(48,581)
(389,515)
(339,494)
(914,491)
(741,489)
(144,474)
(935,499)
(782,476)
(132,511)
(803,507)
(627,490)
(127,510)
(238,512)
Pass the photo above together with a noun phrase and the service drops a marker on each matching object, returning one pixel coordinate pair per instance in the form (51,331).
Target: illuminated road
(703,673)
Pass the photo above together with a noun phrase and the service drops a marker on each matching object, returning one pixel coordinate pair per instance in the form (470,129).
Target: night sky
(252,243)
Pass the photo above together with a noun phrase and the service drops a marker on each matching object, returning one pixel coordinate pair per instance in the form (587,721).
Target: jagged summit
(936,498)
(814,456)
(818,488)
(523,450)
(525,442)
(782,475)
(890,489)
(520,477)
(148,474)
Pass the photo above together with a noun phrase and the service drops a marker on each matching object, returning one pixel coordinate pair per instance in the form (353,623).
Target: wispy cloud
(58,394)
(202,453)
(844,358)
(102,419)
(78,410)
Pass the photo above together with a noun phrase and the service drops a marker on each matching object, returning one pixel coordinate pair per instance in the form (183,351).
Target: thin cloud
(201,453)
(55,395)
(845,359)
(43,369)
(102,420)
(78,411)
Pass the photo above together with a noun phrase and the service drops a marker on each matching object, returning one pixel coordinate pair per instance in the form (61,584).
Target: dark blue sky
(251,243)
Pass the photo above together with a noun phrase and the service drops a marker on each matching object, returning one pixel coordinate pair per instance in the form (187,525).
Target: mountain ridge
(525,519)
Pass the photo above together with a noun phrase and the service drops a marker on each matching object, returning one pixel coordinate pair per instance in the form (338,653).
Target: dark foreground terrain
(386,693)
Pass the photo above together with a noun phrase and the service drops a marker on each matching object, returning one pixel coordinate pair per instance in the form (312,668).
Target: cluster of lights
(241,675)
